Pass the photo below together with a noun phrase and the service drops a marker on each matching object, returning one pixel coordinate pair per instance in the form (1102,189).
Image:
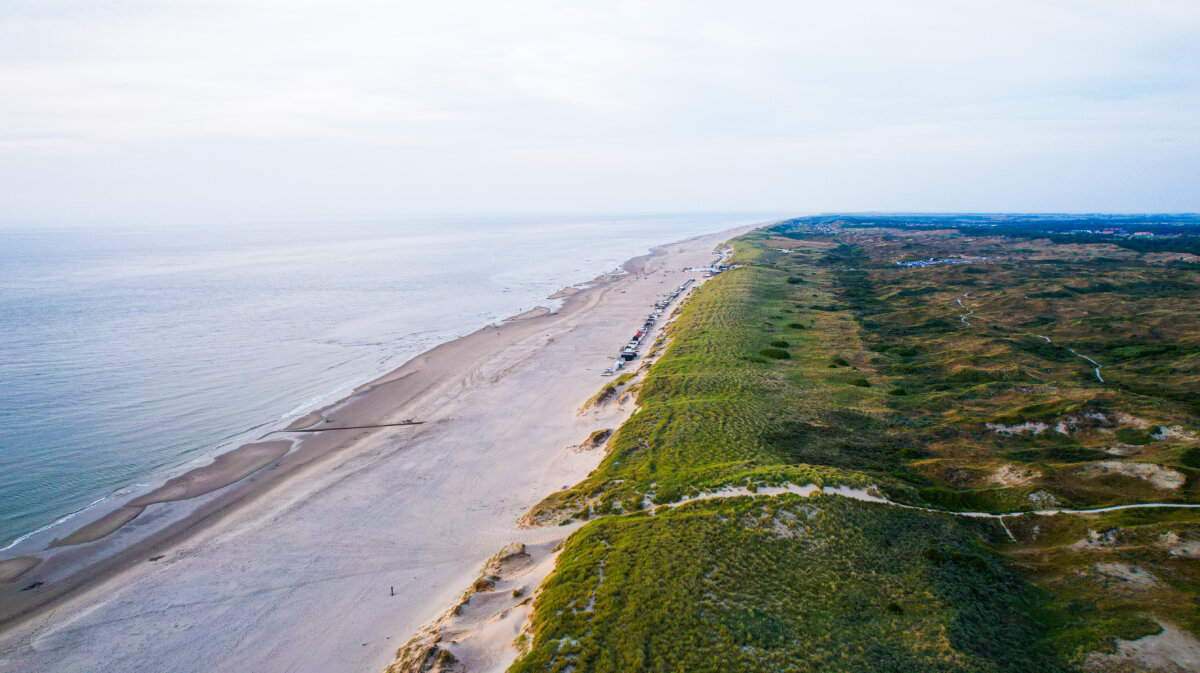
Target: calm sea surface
(127,351)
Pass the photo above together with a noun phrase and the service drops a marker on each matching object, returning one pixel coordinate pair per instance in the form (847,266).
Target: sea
(129,351)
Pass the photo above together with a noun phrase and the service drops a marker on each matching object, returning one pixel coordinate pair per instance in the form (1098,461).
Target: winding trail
(1076,354)
(1097,364)
(864,495)
(963,317)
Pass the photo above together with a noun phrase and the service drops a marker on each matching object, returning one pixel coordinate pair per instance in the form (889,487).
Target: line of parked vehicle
(631,349)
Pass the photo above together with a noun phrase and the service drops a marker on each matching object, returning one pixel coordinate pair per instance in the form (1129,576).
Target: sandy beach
(327,550)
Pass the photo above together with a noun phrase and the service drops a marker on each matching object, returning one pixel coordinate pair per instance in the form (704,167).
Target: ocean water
(125,352)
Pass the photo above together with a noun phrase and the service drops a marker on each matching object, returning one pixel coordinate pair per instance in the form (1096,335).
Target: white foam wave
(62,519)
(321,398)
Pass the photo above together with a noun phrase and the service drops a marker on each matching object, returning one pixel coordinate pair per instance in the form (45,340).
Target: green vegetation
(1190,457)
(960,387)
(784,584)
(719,410)
(610,390)
(1079,561)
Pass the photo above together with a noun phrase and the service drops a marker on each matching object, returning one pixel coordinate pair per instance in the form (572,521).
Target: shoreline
(115,519)
(102,507)
(33,536)
(73,573)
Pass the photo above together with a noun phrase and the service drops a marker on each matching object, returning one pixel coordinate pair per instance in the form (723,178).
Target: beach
(318,551)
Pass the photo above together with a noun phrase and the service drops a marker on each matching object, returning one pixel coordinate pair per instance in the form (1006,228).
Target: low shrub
(1134,436)
(1190,457)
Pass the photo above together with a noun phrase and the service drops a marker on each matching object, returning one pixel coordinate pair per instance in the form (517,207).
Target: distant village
(1121,232)
(932,261)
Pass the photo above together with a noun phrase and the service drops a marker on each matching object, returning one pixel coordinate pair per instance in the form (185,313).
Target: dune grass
(885,384)
(784,584)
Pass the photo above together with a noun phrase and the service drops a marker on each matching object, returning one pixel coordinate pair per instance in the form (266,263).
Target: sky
(166,111)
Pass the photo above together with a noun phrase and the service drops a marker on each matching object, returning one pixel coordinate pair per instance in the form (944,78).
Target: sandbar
(536,312)
(307,420)
(226,469)
(565,292)
(11,569)
(105,525)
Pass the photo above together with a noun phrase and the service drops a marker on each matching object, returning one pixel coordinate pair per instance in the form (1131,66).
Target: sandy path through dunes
(298,576)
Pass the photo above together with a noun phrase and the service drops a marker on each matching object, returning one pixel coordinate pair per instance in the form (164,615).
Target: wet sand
(291,567)
(535,312)
(100,528)
(11,569)
(565,292)
(226,469)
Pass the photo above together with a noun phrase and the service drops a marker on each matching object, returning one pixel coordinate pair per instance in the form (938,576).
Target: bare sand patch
(1176,545)
(1043,498)
(1132,575)
(1175,432)
(1160,477)
(1033,427)
(1014,475)
(11,569)
(1129,419)
(1096,540)
(1171,651)
(489,622)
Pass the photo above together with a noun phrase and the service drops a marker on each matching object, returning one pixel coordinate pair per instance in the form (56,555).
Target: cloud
(509,96)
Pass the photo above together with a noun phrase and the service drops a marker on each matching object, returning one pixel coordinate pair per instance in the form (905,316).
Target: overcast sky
(284,109)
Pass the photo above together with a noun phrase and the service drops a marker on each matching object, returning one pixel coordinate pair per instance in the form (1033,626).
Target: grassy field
(949,386)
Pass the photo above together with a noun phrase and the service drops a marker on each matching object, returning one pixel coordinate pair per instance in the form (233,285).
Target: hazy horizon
(264,111)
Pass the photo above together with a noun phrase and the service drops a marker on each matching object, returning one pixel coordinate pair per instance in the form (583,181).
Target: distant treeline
(1185,229)
(1189,243)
